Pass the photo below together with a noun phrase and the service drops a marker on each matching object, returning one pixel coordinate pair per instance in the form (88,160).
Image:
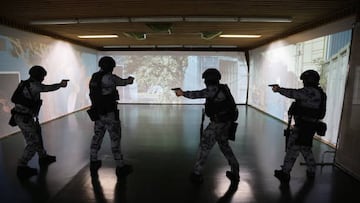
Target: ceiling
(172,34)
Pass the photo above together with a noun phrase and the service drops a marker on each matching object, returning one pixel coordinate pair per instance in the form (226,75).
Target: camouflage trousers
(215,132)
(107,122)
(292,152)
(31,131)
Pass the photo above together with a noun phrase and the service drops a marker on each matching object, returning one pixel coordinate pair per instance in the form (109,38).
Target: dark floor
(160,141)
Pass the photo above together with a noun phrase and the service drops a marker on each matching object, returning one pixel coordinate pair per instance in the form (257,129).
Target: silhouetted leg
(306,152)
(206,143)
(99,132)
(225,148)
(115,136)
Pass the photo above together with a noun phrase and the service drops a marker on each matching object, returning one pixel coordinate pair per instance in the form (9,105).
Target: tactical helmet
(211,74)
(107,63)
(310,78)
(37,72)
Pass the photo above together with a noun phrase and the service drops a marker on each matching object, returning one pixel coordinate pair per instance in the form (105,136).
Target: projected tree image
(156,75)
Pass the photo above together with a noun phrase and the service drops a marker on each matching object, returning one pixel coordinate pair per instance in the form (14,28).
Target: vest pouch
(321,128)
(94,116)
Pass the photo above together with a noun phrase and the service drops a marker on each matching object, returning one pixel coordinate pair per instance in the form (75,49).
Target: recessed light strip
(157,19)
(210,19)
(265,20)
(240,36)
(97,36)
(164,19)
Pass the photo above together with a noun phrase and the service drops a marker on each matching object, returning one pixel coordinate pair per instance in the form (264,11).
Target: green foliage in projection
(157,74)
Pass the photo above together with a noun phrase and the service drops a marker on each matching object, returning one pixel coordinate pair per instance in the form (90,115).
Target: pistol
(176,88)
(272,85)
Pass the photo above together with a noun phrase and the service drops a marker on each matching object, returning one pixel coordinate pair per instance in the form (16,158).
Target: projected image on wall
(283,65)
(8,83)
(156,73)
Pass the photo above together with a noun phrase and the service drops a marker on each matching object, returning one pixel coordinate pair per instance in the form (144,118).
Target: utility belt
(220,118)
(95,114)
(308,119)
(320,126)
(26,117)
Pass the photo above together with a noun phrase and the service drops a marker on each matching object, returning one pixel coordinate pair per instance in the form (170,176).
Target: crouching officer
(309,107)
(220,107)
(104,112)
(25,114)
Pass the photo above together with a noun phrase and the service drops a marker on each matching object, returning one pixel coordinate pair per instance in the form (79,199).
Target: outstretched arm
(53,87)
(204,93)
(123,82)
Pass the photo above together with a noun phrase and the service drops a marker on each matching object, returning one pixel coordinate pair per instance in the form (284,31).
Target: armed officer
(221,109)
(309,107)
(25,114)
(104,112)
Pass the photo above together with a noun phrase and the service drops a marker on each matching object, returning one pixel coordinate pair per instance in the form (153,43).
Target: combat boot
(47,160)
(123,171)
(94,167)
(282,176)
(196,178)
(310,175)
(24,172)
(234,177)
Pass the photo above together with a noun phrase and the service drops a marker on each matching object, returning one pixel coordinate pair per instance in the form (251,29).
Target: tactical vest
(18,97)
(102,103)
(297,109)
(221,110)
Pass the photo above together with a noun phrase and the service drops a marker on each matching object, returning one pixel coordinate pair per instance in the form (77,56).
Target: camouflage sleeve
(49,88)
(298,94)
(119,81)
(204,93)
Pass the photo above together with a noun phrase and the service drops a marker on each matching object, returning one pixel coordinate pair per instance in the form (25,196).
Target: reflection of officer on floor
(104,112)
(309,107)
(219,108)
(25,114)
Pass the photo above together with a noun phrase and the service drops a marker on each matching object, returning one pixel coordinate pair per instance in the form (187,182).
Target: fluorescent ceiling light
(265,20)
(210,19)
(169,46)
(196,46)
(142,46)
(157,19)
(223,46)
(104,20)
(97,36)
(54,22)
(116,46)
(240,36)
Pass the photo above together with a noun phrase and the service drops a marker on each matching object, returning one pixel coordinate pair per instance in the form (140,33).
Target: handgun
(176,88)
(273,85)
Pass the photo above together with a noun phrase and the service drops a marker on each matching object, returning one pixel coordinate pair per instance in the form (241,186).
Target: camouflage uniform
(108,122)
(214,132)
(300,140)
(26,119)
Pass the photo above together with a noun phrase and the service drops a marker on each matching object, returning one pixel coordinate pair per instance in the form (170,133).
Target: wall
(157,72)
(283,61)
(21,50)
(348,153)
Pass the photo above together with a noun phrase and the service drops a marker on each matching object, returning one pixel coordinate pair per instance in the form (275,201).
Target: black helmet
(310,78)
(107,63)
(37,72)
(211,74)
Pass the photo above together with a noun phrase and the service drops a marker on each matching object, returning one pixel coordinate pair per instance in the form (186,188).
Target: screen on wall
(21,50)
(157,72)
(281,63)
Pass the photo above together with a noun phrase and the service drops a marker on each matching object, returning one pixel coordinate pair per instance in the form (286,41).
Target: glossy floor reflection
(160,141)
